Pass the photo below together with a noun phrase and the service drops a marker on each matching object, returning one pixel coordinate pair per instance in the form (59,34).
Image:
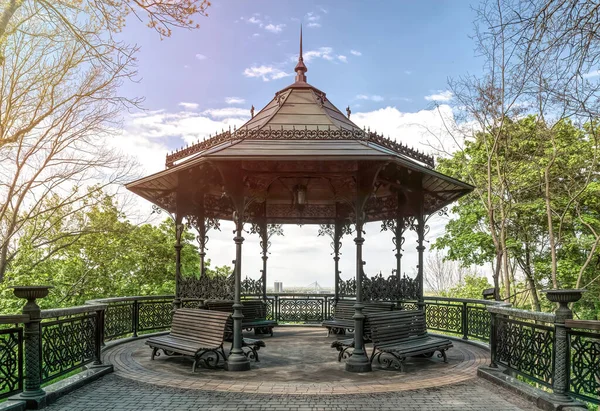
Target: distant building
(278,285)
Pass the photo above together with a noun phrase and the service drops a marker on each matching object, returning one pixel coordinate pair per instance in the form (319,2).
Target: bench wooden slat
(404,334)
(193,332)
(254,312)
(344,311)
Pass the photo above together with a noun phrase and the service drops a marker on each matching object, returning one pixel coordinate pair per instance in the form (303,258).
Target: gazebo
(300,160)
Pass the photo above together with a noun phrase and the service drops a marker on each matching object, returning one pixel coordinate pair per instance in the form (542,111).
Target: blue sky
(408,51)
(390,61)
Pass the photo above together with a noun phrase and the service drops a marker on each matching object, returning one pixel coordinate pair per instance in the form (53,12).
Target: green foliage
(471,286)
(525,148)
(112,258)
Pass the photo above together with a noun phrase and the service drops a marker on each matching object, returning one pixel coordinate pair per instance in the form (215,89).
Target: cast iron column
(264,243)
(237,361)
(359,362)
(398,240)
(337,235)
(178,246)
(420,249)
(202,239)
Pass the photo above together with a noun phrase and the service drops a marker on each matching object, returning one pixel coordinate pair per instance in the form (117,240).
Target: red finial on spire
(300,67)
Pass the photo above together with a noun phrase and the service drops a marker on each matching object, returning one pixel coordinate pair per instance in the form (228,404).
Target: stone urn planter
(31,293)
(564,298)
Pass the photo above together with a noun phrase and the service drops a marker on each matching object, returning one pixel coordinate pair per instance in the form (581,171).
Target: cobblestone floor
(298,370)
(117,393)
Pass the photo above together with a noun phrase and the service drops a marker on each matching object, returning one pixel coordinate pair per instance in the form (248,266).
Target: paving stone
(298,372)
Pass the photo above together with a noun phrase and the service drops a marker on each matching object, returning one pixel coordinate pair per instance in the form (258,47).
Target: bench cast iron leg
(154,350)
(442,354)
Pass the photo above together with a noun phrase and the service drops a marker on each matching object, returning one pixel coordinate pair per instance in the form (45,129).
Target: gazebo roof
(301,134)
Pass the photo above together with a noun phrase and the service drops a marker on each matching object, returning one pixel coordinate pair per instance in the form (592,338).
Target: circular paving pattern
(297,361)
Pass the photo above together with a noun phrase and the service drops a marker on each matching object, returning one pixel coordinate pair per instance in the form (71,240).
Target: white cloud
(267,73)
(374,97)
(254,20)
(147,135)
(313,19)
(441,95)
(407,72)
(256,35)
(275,28)
(594,73)
(355,53)
(227,112)
(234,100)
(188,106)
(321,52)
(342,58)
(311,16)
(200,56)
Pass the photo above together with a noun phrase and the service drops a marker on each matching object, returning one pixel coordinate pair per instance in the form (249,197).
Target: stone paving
(298,371)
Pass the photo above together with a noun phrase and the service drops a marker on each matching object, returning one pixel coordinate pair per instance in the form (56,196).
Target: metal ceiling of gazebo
(300,160)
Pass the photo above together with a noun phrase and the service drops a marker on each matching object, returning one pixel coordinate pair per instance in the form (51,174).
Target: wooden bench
(403,334)
(344,311)
(195,333)
(254,311)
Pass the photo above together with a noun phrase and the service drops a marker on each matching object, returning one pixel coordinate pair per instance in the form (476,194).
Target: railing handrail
(110,300)
(468,300)
(14,319)
(583,324)
(523,314)
(80,309)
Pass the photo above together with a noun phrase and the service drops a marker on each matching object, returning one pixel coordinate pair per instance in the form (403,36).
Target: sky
(390,61)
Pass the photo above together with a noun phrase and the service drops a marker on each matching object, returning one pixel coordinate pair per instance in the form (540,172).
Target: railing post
(493,340)
(465,321)
(560,380)
(276,308)
(99,337)
(33,394)
(136,317)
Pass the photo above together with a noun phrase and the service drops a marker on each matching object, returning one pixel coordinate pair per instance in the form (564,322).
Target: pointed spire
(300,67)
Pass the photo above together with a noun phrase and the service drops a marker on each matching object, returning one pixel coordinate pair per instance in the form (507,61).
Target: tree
(442,274)
(115,258)
(61,68)
(539,57)
(537,170)
(471,287)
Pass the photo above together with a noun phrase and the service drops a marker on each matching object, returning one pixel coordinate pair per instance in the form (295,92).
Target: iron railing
(11,355)
(70,339)
(523,342)
(584,364)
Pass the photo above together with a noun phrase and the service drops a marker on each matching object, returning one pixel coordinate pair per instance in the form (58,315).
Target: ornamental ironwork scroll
(526,348)
(11,361)
(67,344)
(217,287)
(118,319)
(584,378)
(203,226)
(209,288)
(380,288)
(265,237)
(300,134)
(154,315)
(251,286)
